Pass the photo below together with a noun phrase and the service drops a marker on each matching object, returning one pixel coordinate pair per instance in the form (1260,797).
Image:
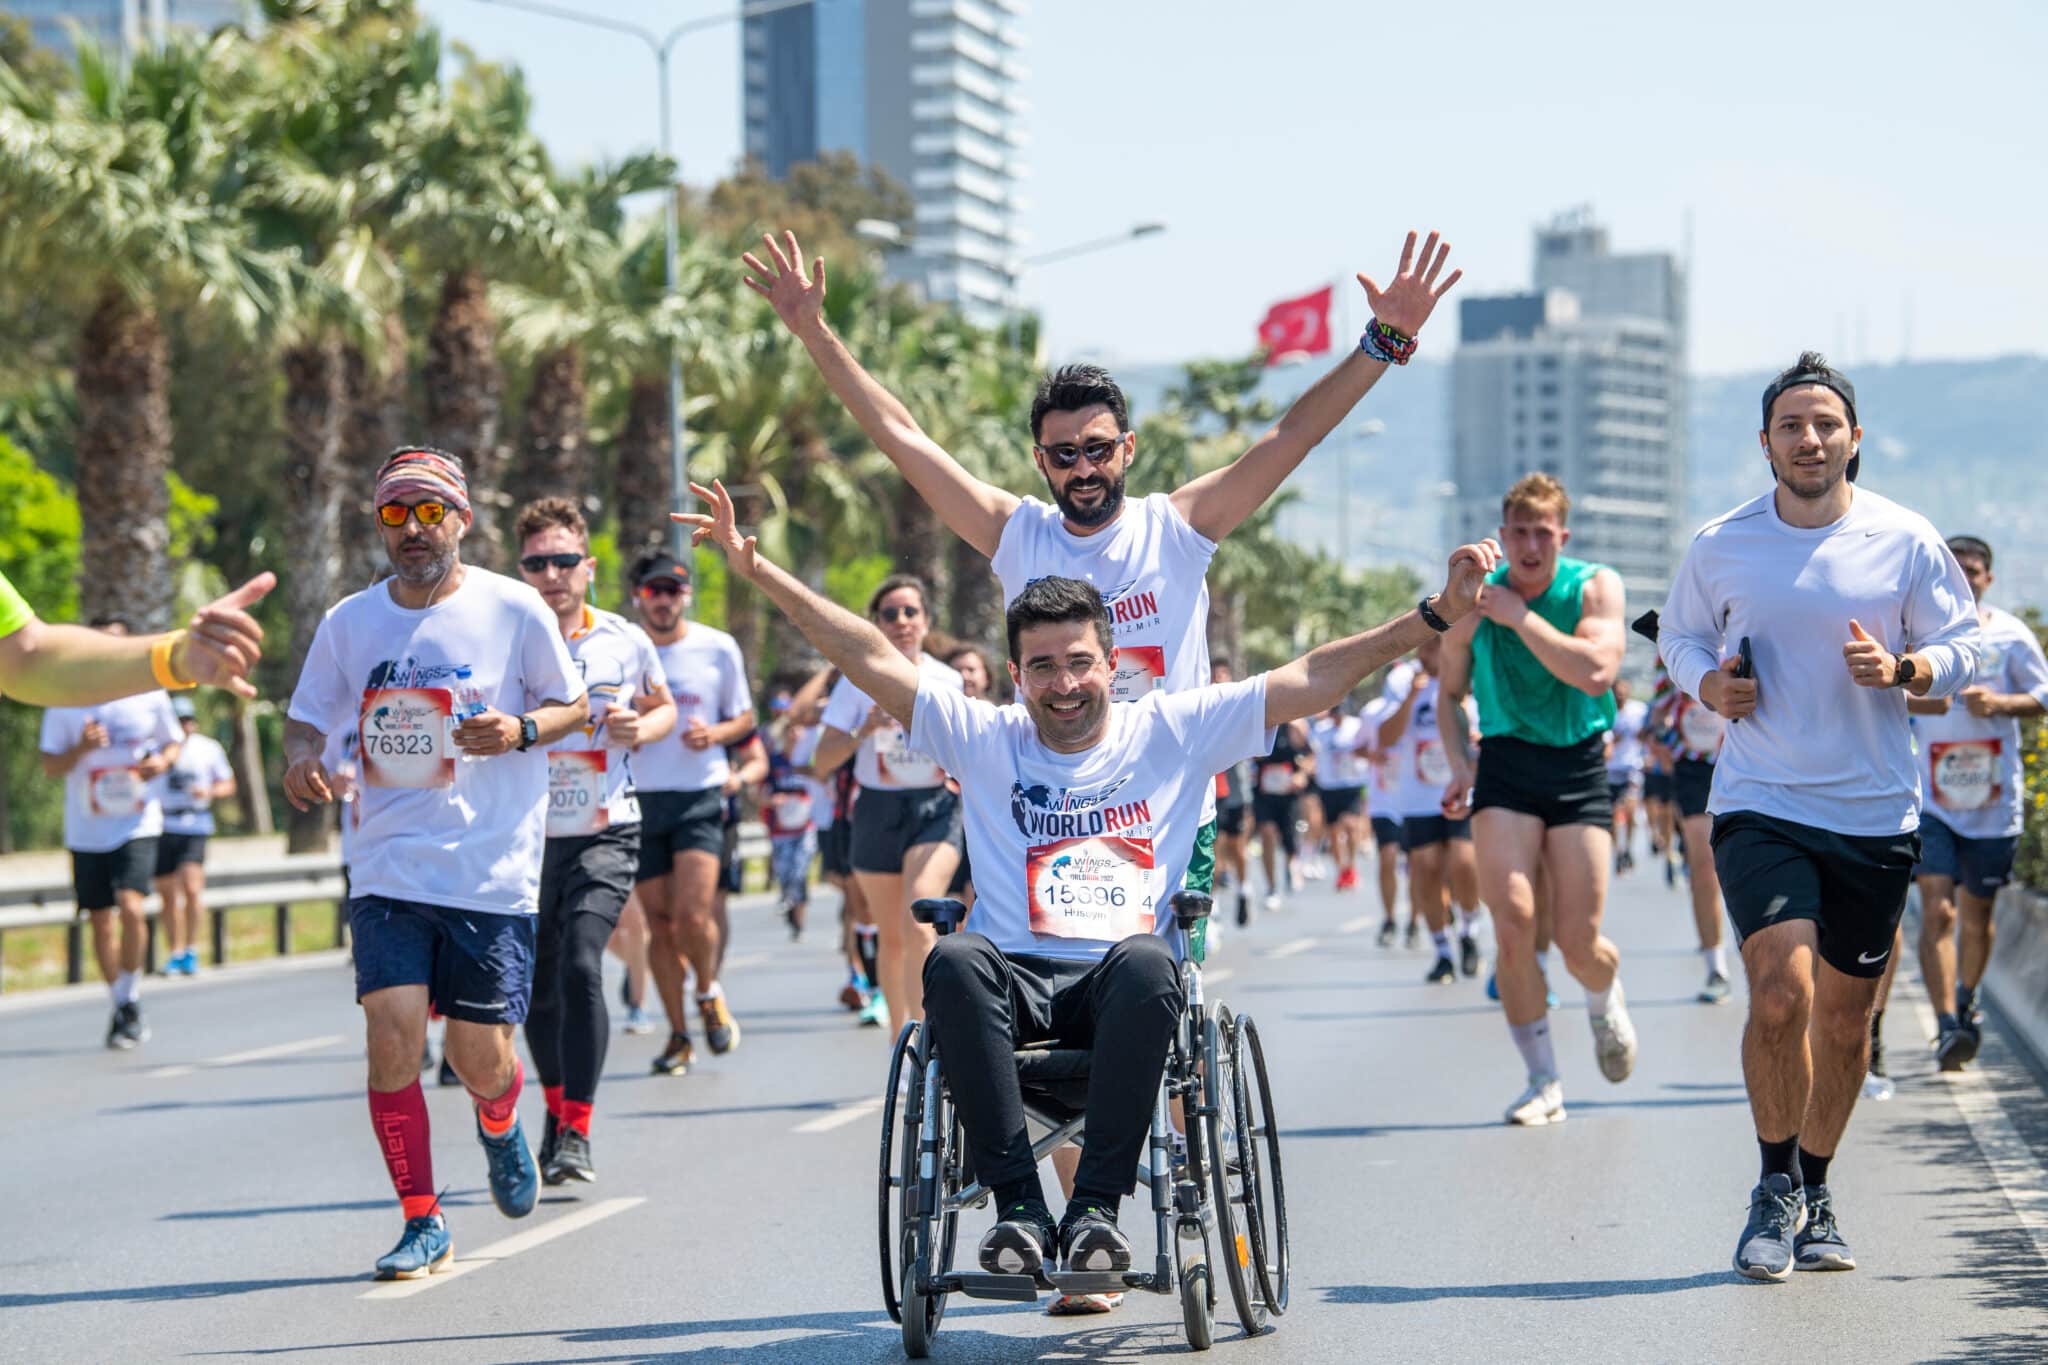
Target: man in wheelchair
(1080,818)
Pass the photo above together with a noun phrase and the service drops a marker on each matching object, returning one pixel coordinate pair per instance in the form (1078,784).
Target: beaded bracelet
(1385,344)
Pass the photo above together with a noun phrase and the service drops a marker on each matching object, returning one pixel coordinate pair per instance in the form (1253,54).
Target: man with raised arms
(1081,816)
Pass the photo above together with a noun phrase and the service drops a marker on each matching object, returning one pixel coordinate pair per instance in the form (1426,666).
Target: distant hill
(1963,441)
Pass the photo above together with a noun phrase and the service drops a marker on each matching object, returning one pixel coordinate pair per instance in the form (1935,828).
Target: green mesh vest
(1517,695)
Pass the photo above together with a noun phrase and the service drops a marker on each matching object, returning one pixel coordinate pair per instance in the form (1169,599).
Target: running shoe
(1819,1245)
(637,1021)
(875,1014)
(1716,991)
(675,1059)
(1670,873)
(1878,1086)
(571,1159)
(1444,973)
(1347,880)
(132,1026)
(1777,1212)
(1493,985)
(1411,935)
(1244,909)
(423,1249)
(1082,1305)
(1614,1040)
(550,1137)
(1549,995)
(1387,934)
(1468,955)
(117,1030)
(1019,1244)
(1541,1103)
(1957,1047)
(1090,1240)
(1272,901)
(448,1076)
(721,1030)
(854,994)
(515,1180)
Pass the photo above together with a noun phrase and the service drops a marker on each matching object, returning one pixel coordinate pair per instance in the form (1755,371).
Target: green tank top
(1517,695)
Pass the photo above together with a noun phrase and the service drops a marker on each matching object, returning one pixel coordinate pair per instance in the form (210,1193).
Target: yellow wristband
(160,662)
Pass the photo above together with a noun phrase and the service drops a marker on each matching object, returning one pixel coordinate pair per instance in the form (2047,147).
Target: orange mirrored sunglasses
(427,513)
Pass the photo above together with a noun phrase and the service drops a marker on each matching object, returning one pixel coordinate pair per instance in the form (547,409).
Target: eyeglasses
(666,588)
(426,513)
(1095,452)
(894,614)
(1044,672)
(542,563)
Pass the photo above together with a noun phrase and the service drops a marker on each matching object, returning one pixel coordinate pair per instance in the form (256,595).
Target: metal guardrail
(276,882)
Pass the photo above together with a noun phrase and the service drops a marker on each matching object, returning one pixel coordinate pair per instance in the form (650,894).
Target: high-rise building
(1583,377)
(928,91)
(122,25)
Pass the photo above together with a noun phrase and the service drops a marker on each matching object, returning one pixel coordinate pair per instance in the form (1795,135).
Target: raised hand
(1406,303)
(720,527)
(1469,566)
(797,299)
(223,642)
(1870,664)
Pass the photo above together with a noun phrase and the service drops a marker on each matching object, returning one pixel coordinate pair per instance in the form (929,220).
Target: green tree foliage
(39,548)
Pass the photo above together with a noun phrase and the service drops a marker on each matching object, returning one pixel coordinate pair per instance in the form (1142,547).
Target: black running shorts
(1268,809)
(173,851)
(1656,785)
(95,877)
(1387,830)
(1852,886)
(679,822)
(1692,782)
(1559,786)
(1420,831)
(888,824)
(1339,802)
(589,874)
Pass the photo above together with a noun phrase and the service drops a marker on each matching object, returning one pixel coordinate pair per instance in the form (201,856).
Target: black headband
(1827,379)
(1970,545)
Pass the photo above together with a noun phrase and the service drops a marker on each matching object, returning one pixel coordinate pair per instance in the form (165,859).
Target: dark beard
(1102,513)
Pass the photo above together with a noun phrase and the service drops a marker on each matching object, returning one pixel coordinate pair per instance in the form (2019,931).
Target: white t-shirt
(709,680)
(1075,852)
(590,780)
(1417,766)
(1819,750)
(106,802)
(1149,566)
(886,760)
(801,749)
(345,778)
(1333,742)
(435,828)
(1976,782)
(202,763)
(1626,755)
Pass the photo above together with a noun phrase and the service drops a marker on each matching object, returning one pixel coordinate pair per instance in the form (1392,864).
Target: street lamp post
(661,45)
(1130,234)
(1364,431)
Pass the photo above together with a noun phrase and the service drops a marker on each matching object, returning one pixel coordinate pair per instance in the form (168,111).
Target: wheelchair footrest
(981,1284)
(1097,1281)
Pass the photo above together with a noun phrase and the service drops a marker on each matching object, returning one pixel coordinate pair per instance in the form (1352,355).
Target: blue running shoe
(424,1249)
(515,1180)
(1493,989)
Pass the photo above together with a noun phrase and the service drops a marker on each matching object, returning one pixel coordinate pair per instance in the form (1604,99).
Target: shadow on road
(453,1199)
(161,1293)
(793,1107)
(1552,1291)
(246,1102)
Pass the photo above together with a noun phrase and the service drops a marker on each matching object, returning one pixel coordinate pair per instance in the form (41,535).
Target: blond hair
(1537,493)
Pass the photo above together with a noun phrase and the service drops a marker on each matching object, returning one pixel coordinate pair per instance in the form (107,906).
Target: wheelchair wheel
(1197,1307)
(1260,1134)
(1228,1165)
(925,1248)
(889,1207)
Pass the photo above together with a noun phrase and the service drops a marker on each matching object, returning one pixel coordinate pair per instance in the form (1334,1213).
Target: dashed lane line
(840,1117)
(1293,947)
(259,1054)
(504,1249)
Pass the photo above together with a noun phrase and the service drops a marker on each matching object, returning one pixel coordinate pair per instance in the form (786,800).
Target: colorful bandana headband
(413,472)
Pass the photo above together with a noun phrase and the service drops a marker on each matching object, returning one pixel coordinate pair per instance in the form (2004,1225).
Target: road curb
(2016,982)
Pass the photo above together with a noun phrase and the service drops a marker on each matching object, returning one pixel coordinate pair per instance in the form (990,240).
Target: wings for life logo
(409,672)
(1043,812)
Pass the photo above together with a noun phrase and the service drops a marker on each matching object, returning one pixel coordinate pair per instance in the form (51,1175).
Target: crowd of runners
(528,782)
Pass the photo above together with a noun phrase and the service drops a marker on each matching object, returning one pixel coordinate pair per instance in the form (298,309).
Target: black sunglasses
(538,563)
(894,614)
(1095,452)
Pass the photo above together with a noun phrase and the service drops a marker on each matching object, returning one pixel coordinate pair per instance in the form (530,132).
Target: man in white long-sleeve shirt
(1816,796)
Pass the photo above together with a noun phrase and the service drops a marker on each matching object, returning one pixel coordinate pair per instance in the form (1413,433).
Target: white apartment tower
(122,26)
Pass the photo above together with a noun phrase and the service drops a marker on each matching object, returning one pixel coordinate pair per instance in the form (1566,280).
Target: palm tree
(121,185)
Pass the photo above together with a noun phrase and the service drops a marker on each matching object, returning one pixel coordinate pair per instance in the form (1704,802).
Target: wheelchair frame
(1228,1171)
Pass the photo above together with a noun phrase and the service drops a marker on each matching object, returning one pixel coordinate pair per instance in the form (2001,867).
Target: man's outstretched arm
(1323,677)
(973,510)
(1218,502)
(860,650)
(59,665)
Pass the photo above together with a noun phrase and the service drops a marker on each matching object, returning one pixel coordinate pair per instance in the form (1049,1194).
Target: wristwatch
(529,731)
(1906,671)
(1429,616)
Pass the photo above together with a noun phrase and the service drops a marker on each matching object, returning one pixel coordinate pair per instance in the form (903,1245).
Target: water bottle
(469,701)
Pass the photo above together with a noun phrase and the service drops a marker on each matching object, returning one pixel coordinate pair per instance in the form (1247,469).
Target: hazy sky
(1845,167)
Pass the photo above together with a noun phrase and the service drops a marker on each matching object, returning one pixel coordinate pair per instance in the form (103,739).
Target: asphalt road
(217,1193)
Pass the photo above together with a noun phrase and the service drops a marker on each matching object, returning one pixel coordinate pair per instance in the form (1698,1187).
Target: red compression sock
(553,1095)
(399,1118)
(576,1114)
(497,1116)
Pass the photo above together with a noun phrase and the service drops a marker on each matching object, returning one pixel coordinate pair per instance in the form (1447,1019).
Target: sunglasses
(542,563)
(895,614)
(1095,452)
(668,589)
(426,513)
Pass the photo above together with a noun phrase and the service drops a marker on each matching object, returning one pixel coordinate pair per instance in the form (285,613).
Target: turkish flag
(1297,326)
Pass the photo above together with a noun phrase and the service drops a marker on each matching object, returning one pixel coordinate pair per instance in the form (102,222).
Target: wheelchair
(1220,1189)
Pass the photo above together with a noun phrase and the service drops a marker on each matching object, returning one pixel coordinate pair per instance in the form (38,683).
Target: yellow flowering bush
(2031,868)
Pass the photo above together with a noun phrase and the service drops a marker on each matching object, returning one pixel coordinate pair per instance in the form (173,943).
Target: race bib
(788,812)
(1432,764)
(1094,888)
(116,791)
(405,737)
(1138,669)
(1276,779)
(901,765)
(1701,729)
(576,781)
(1965,773)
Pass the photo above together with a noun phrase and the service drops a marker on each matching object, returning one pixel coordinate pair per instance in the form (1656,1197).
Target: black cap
(650,568)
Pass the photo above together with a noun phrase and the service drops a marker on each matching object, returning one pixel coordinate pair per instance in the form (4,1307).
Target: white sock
(125,990)
(1716,959)
(1543,963)
(1533,1041)
(1468,921)
(717,990)
(1599,1004)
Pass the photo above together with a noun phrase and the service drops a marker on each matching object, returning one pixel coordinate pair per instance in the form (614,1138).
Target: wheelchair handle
(1190,908)
(941,912)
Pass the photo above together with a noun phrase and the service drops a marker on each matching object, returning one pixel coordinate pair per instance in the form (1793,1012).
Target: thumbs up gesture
(1870,663)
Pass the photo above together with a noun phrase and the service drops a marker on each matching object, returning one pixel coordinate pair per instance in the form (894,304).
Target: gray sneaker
(1777,1213)
(1716,991)
(1819,1245)
(1542,1103)
(1614,1040)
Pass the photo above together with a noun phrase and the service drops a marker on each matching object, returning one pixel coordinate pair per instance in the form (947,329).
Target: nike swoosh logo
(1868,534)
(1778,904)
(1867,960)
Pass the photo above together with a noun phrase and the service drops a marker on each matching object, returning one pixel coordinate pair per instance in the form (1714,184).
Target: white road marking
(2011,1160)
(1359,925)
(505,1248)
(745,960)
(838,1118)
(260,1054)
(1220,974)
(1292,947)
